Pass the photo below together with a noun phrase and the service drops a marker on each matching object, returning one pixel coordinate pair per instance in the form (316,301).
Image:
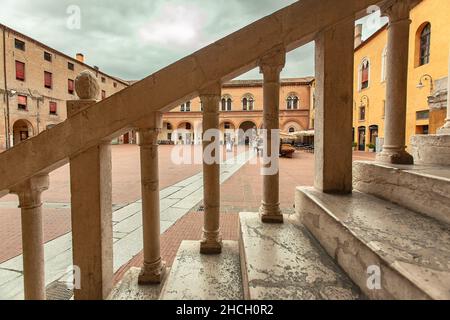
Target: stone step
(370,237)
(423,189)
(204,277)
(283,262)
(129,289)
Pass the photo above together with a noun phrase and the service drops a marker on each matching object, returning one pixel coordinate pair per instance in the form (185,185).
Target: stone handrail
(221,61)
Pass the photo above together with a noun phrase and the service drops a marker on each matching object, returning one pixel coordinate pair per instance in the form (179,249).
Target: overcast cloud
(134,38)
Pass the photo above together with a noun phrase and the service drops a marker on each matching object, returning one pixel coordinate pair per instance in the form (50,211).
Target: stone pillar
(153,270)
(445,130)
(91,191)
(394,149)
(211,242)
(334,108)
(271,66)
(30,202)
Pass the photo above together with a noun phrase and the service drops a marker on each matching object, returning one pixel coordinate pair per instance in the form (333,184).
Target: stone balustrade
(84,138)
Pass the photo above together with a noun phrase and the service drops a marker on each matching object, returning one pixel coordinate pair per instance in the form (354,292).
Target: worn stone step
(423,189)
(283,262)
(129,289)
(204,277)
(408,252)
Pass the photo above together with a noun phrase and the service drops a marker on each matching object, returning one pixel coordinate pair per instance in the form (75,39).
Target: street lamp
(427,77)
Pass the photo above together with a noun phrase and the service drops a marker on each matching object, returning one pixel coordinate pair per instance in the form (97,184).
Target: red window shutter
(20,70)
(48,79)
(71,86)
(22,100)
(365,75)
(53,107)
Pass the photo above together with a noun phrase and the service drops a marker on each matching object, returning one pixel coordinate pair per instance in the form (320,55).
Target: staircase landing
(204,277)
(283,262)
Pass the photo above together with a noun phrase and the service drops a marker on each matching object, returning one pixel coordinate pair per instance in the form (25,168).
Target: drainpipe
(7,120)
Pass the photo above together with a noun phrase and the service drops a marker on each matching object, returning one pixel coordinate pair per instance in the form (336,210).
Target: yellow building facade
(428,66)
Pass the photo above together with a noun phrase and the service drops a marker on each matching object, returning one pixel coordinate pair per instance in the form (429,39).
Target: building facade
(427,76)
(35,83)
(241,110)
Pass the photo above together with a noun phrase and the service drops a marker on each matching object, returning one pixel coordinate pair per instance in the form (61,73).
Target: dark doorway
(362,138)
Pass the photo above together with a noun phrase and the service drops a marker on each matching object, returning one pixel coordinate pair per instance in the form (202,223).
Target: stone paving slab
(204,277)
(283,262)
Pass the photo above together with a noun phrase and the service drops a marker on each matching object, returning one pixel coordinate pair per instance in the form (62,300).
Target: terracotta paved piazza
(242,192)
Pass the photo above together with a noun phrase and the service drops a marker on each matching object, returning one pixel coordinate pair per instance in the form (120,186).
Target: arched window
(229,104)
(224,104)
(248,103)
(292,102)
(251,104)
(384,65)
(425,41)
(291,130)
(364,74)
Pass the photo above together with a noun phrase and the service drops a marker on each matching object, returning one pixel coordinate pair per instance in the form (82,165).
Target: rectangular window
(423,115)
(19,44)
(103,94)
(20,71)
(53,108)
(103,79)
(47,56)
(362,113)
(48,80)
(71,86)
(115,85)
(22,102)
(70,66)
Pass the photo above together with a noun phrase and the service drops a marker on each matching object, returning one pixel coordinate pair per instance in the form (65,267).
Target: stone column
(394,149)
(445,130)
(91,199)
(211,242)
(271,66)
(153,270)
(334,108)
(30,202)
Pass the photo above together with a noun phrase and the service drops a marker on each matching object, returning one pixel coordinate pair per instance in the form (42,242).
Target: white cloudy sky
(134,38)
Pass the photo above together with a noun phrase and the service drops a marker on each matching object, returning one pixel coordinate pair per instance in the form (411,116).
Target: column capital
(30,191)
(398,10)
(272,63)
(210,97)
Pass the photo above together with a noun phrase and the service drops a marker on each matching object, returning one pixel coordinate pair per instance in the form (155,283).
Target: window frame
(55,104)
(50,77)
(425,45)
(25,106)
(19,44)
(48,56)
(23,78)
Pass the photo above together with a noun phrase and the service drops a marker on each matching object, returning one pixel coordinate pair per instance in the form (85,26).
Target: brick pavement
(242,192)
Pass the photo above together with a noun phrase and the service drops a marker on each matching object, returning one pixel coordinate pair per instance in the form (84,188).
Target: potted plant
(355,146)
(371,147)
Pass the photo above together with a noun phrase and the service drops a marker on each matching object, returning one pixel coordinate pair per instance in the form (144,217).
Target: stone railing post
(153,270)
(212,241)
(91,191)
(271,67)
(334,108)
(30,202)
(394,149)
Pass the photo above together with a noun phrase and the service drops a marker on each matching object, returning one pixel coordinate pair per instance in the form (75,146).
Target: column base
(152,273)
(211,244)
(395,157)
(271,214)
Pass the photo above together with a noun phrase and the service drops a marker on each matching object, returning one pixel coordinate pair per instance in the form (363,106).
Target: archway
(227,130)
(362,138)
(185,133)
(247,132)
(22,130)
